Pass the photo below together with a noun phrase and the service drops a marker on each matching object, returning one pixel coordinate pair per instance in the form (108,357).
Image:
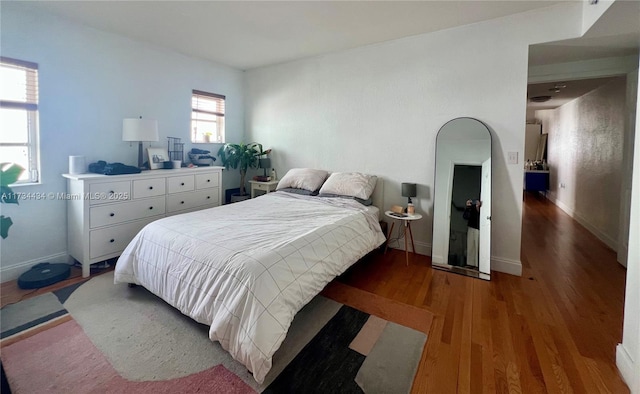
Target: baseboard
(14,271)
(627,369)
(610,242)
(512,267)
(421,247)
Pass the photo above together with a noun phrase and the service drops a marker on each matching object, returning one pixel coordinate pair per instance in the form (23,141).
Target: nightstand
(406,220)
(269,186)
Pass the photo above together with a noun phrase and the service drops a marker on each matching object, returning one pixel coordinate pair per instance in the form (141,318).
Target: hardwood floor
(553,330)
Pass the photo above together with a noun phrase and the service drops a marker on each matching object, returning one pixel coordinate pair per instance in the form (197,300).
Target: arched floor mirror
(462,199)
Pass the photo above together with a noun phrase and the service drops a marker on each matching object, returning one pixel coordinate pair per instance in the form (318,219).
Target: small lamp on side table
(264,164)
(409,190)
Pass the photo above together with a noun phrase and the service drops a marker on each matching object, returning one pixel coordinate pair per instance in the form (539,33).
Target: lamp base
(140,158)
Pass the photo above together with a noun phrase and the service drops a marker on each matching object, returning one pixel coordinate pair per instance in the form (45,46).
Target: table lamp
(139,130)
(265,163)
(409,190)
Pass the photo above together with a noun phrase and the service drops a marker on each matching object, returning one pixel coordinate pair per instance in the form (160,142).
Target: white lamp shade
(140,130)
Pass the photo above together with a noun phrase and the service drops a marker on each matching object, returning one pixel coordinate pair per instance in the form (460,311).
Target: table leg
(389,236)
(253,192)
(413,246)
(406,249)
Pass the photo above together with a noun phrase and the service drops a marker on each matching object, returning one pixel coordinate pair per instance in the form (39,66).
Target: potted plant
(9,173)
(242,157)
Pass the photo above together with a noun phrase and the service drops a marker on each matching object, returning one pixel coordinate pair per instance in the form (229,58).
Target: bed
(246,269)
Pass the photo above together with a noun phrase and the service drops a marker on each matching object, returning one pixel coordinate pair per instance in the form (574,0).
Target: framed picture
(157,157)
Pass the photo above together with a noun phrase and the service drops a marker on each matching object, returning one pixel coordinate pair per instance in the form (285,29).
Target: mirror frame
(447,267)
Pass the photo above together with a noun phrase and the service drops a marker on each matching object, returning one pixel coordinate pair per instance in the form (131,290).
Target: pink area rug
(63,360)
(97,337)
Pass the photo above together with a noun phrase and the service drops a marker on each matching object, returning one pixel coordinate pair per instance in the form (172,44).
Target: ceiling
(250,34)
(563,91)
(616,33)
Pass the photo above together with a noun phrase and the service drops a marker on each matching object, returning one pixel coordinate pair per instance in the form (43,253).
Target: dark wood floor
(553,330)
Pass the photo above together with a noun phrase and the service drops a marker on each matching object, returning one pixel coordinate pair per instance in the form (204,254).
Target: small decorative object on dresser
(104,213)
(157,157)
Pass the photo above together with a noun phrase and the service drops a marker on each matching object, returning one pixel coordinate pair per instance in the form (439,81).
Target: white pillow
(353,184)
(303,178)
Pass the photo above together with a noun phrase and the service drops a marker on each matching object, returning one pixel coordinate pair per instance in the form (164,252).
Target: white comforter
(246,269)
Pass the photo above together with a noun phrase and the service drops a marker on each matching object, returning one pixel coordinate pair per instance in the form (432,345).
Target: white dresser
(105,212)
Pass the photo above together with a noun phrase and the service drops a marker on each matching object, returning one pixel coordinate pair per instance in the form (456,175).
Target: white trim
(14,271)
(628,369)
(422,248)
(610,242)
(512,267)
(584,69)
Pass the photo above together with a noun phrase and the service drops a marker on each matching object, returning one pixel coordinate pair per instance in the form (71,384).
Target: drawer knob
(182,184)
(112,240)
(150,187)
(112,214)
(150,207)
(208,180)
(181,202)
(208,197)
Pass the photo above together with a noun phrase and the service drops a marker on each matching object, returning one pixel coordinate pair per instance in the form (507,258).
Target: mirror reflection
(462,198)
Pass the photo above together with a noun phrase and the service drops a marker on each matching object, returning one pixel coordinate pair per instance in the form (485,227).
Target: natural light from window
(19,116)
(207,117)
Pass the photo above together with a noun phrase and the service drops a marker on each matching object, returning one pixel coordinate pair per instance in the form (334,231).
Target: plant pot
(207,139)
(238,197)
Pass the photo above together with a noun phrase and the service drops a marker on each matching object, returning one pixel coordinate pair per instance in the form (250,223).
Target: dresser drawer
(148,187)
(104,215)
(185,201)
(205,181)
(114,239)
(102,193)
(178,184)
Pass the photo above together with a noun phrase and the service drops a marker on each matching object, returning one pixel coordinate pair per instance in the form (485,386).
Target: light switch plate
(513,158)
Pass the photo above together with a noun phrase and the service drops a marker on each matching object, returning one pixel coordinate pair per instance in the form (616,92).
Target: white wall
(377,109)
(585,151)
(89,81)
(628,352)
(627,166)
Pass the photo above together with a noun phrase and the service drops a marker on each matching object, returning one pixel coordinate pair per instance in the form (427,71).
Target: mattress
(246,269)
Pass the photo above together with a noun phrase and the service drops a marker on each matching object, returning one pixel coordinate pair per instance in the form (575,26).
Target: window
(19,116)
(207,117)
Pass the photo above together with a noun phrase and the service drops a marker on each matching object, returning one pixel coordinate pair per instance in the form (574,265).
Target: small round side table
(406,220)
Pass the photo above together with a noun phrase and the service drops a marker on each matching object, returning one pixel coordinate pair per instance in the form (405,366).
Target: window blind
(209,103)
(19,116)
(19,80)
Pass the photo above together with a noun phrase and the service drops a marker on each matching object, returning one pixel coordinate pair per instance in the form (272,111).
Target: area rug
(100,337)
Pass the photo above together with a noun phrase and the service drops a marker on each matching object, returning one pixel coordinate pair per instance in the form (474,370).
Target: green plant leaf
(5,223)
(7,196)
(9,173)
(242,157)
